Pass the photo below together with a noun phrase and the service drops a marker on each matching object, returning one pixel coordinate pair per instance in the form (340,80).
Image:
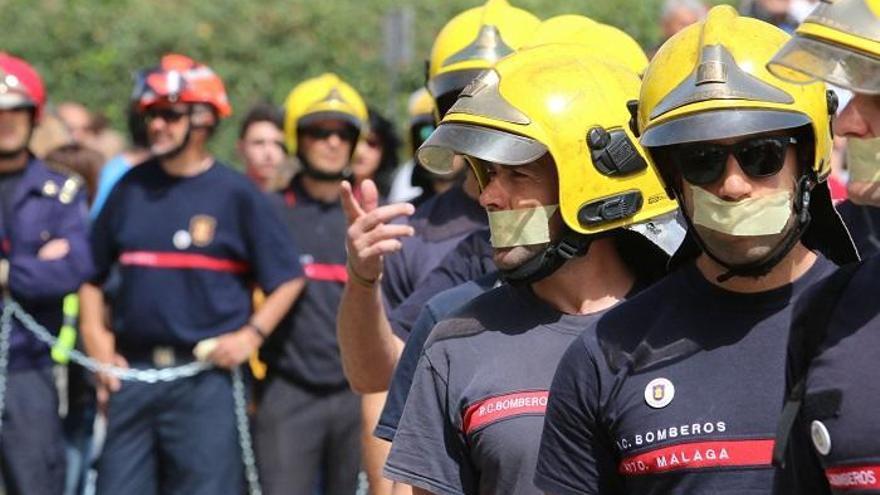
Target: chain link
(13,309)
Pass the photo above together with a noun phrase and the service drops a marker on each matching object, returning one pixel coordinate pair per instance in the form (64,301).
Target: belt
(158,356)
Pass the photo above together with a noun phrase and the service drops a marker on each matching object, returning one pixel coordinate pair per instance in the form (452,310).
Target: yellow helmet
(420,107)
(609,43)
(472,42)
(323,97)
(710,82)
(558,99)
(839,43)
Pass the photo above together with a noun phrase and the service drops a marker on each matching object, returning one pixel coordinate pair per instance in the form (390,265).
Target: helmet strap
(550,259)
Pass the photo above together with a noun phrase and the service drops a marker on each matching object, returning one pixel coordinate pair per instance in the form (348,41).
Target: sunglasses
(344,133)
(169,115)
(704,163)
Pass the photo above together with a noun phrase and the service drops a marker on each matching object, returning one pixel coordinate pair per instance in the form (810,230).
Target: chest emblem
(821,437)
(201,229)
(659,393)
(181,240)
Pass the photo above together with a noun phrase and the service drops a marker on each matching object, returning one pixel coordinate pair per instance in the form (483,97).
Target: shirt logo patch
(659,393)
(201,229)
(181,240)
(821,437)
(699,455)
(500,407)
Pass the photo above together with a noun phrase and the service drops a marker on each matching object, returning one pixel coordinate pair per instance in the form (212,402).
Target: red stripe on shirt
(151,259)
(854,477)
(503,406)
(699,455)
(326,272)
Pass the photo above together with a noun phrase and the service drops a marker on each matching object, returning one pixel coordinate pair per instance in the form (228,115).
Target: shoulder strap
(809,327)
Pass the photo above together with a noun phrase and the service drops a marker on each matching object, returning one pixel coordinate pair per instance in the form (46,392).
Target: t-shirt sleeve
(274,256)
(576,456)
(102,241)
(429,450)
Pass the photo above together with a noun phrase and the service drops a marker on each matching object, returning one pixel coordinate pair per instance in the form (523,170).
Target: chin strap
(550,259)
(309,170)
(765,265)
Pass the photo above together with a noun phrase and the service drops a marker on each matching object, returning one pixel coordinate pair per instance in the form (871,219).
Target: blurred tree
(87,49)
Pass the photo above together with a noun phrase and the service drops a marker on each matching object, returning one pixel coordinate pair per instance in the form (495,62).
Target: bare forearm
(99,342)
(369,348)
(277,304)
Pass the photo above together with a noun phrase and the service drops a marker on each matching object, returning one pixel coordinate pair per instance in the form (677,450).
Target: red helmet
(20,85)
(180,78)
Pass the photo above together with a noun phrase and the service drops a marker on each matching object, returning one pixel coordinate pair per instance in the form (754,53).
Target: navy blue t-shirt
(841,412)
(440,224)
(469,260)
(676,391)
(436,309)
(472,422)
(863,223)
(189,250)
(304,348)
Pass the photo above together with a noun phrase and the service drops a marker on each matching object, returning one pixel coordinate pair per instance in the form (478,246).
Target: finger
(349,203)
(120,361)
(383,232)
(384,214)
(384,247)
(369,195)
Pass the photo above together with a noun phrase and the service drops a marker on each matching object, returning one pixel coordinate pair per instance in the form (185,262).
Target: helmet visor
(720,124)
(484,143)
(450,83)
(312,118)
(803,60)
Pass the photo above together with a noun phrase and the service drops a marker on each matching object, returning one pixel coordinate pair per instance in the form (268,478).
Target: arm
(235,347)
(61,265)
(98,340)
(368,347)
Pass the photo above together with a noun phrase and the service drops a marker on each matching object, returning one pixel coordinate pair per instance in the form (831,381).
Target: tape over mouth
(766,215)
(521,227)
(484,143)
(863,159)
(804,60)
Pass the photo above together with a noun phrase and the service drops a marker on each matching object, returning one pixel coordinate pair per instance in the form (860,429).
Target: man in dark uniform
(191,237)
(838,327)
(43,256)
(678,390)
(308,421)
(559,210)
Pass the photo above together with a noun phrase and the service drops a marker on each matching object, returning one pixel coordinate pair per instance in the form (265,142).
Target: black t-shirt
(190,250)
(840,410)
(474,415)
(470,260)
(304,348)
(677,391)
(863,223)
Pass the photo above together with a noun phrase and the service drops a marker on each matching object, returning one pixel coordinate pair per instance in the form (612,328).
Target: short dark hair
(261,112)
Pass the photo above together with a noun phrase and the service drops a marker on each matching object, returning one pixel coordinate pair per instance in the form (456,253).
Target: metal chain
(13,309)
(244,434)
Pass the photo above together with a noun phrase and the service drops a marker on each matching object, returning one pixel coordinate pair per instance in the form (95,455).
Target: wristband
(257,329)
(360,279)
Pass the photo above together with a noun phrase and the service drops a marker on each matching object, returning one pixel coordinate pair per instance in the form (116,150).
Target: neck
(15,163)
(190,162)
(566,291)
(791,268)
(326,191)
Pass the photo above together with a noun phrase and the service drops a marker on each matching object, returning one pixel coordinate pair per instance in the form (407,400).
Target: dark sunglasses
(704,163)
(169,115)
(345,133)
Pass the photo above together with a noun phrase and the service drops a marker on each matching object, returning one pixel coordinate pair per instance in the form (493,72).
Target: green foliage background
(87,49)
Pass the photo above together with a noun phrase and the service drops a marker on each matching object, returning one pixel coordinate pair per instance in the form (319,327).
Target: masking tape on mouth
(863,159)
(766,215)
(522,227)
